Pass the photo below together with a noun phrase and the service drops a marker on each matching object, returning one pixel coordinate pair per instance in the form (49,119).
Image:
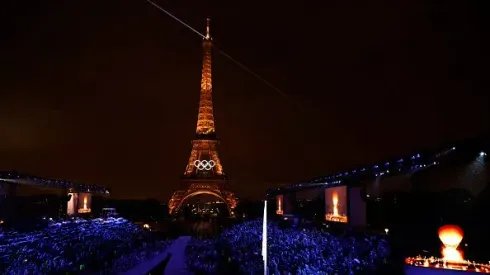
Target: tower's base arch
(201,192)
(180,196)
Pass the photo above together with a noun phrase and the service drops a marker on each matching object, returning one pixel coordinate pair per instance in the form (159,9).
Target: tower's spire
(205,117)
(208,35)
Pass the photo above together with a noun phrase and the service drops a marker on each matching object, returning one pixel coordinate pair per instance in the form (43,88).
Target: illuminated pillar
(72,206)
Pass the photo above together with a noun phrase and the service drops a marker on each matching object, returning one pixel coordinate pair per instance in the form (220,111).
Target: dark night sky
(106,92)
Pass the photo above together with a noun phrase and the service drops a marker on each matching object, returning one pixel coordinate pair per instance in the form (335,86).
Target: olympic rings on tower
(204,164)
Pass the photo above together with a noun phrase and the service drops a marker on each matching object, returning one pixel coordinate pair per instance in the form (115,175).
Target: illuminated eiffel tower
(204,172)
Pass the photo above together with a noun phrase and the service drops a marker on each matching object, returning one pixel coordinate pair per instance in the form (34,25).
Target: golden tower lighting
(204,172)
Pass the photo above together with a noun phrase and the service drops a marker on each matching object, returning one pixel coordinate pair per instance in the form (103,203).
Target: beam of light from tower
(264,238)
(228,56)
(176,19)
(257,76)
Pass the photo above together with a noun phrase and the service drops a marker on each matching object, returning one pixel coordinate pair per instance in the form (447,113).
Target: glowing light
(279,210)
(335,200)
(208,35)
(179,197)
(335,216)
(264,238)
(85,208)
(452,258)
(205,117)
(451,236)
(205,144)
(386,231)
(204,164)
(146,226)
(482,154)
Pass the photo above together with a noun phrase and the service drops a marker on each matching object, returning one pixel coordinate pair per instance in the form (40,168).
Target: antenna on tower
(208,35)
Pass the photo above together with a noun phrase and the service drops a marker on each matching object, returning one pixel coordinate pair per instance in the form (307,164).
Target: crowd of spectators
(106,246)
(290,251)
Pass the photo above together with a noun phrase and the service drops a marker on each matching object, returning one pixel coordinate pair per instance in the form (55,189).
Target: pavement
(177,265)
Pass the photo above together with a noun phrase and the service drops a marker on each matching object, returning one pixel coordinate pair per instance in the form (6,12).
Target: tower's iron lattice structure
(204,172)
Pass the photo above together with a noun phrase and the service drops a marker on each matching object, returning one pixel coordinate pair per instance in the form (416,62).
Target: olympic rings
(204,164)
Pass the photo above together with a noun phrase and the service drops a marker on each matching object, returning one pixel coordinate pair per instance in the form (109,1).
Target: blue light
(400,160)
(387,163)
(375,166)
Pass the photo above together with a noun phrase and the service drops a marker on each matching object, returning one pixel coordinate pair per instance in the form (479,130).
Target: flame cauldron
(452,261)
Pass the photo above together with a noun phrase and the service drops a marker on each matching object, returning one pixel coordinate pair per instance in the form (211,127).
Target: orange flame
(452,258)
(451,236)
(335,200)
(85,203)
(279,206)
(334,215)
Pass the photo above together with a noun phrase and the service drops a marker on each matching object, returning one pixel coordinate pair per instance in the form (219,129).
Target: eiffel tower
(204,172)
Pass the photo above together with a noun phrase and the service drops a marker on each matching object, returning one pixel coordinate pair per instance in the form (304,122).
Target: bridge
(15,178)
(79,195)
(461,165)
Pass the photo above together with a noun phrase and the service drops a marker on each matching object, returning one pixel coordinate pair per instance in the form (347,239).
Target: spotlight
(387,230)
(483,154)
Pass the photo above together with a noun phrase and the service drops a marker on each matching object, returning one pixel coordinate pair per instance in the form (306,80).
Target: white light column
(264,238)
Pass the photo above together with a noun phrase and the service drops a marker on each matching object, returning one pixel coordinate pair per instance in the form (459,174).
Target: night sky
(106,92)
